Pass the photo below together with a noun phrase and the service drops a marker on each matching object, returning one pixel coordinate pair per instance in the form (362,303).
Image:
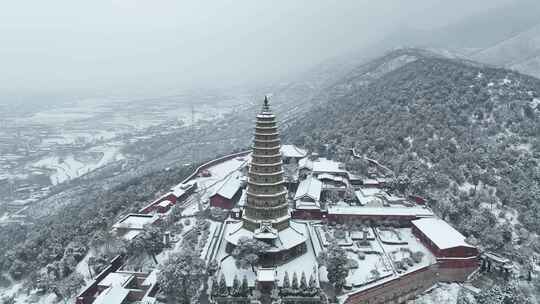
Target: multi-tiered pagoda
(266,216)
(266,205)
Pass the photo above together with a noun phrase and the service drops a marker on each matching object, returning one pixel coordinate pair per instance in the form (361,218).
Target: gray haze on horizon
(163,45)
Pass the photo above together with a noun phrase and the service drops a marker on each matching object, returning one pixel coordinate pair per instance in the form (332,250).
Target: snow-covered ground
(397,252)
(441,294)
(72,166)
(371,261)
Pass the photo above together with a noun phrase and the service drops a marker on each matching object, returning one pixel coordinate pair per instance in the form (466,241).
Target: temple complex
(267,221)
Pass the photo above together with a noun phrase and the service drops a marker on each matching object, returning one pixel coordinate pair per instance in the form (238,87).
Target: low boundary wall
(204,166)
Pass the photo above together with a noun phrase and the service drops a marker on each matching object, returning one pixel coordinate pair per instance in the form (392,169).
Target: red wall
(308,214)
(153,206)
(459,252)
(455,252)
(418,199)
(341,218)
(459,263)
(219,201)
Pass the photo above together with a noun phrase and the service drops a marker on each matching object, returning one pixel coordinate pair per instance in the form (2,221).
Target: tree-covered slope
(463,135)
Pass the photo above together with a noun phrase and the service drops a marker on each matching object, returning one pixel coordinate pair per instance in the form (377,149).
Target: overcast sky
(155,45)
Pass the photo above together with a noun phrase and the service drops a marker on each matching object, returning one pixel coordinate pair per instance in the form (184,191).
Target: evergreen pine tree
(223,291)
(236,286)
(337,265)
(286,282)
(244,288)
(303,283)
(286,287)
(312,284)
(295,286)
(493,295)
(463,298)
(215,287)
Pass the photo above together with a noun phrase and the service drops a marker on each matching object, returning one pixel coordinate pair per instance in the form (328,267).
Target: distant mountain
(464,135)
(487,28)
(507,36)
(520,52)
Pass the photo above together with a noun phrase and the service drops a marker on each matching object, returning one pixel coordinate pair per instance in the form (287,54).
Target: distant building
(321,165)
(292,154)
(133,224)
(453,254)
(227,195)
(182,191)
(400,215)
(123,287)
(307,199)
(178,194)
(369,197)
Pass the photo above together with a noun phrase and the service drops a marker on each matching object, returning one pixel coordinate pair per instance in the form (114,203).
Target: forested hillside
(56,244)
(465,136)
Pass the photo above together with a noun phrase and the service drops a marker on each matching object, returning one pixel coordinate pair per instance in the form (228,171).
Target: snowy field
(73,166)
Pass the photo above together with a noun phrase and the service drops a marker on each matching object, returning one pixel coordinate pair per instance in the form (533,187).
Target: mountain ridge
(445,126)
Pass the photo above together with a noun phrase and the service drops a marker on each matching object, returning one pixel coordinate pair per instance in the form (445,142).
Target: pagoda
(266,205)
(266,216)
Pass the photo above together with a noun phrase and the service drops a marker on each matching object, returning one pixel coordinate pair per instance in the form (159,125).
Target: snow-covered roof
(266,275)
(115,279)
(266,231)
(305,163)
(367,195)
(293,151)
(310,187)
(364,200)
(370,181)
(112,295)
(368,191)
(131,234)
(229,188)
(384,180)
(151,279)
(288,238)
(165,203)
(243,199)
(385,211)
(326,165)
(353,176)
(440,233)
(307,205)
(329,176)
(180,189)
(136,221)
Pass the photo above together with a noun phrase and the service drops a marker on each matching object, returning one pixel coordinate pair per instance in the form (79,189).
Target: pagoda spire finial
(266,106)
